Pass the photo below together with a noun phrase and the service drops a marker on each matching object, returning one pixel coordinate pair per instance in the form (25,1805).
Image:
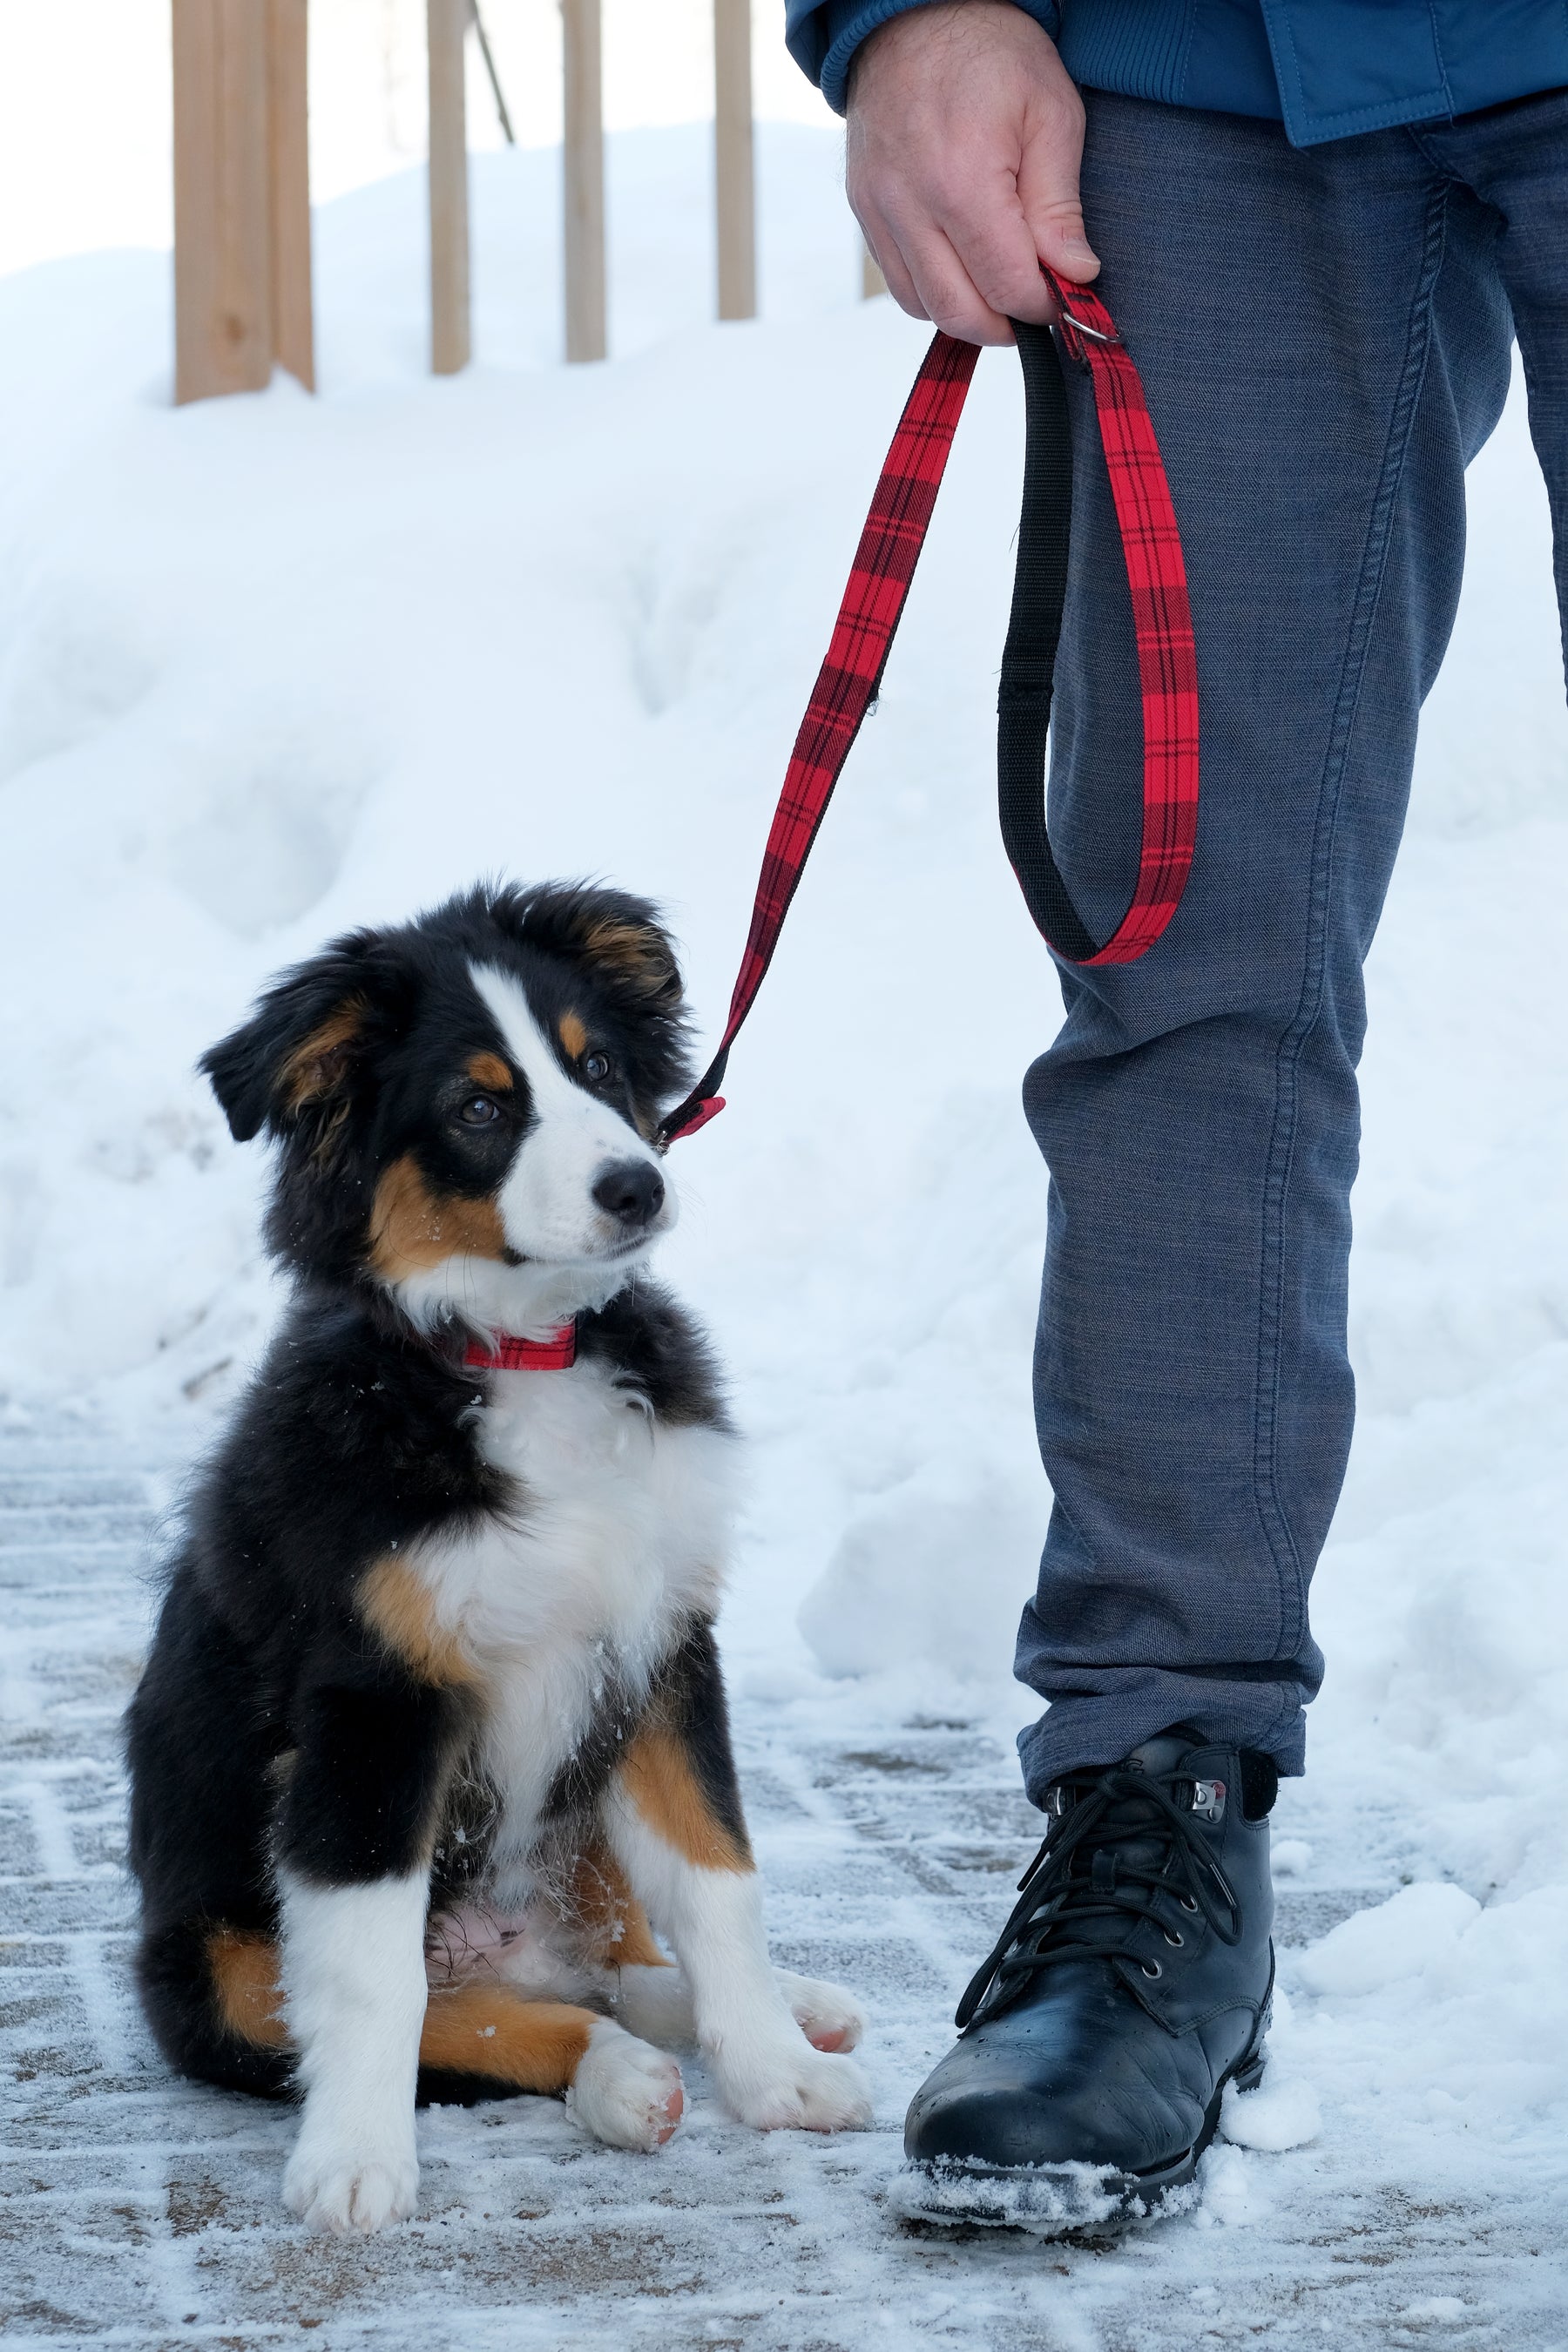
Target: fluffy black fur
(273,1724)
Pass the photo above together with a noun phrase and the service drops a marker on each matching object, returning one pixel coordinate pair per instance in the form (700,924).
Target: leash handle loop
(1162,621)
(873,602)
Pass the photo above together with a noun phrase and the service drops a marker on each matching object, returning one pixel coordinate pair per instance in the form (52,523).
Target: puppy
(432,1725)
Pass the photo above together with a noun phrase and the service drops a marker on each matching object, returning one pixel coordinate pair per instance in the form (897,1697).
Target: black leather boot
(1130,1984)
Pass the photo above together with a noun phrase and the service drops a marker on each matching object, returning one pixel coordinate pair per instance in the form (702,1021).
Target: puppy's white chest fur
(621,1530)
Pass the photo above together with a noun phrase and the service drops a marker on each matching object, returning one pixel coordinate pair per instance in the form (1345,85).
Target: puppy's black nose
(631,1191)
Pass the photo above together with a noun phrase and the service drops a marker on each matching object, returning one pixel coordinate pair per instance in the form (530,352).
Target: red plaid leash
(873,602)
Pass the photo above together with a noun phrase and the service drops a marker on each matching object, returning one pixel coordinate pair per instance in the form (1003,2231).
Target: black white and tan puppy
(432,1726)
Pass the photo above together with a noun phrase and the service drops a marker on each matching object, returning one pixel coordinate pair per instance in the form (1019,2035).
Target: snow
(271,667)
(1414,1930)
(1283,2111)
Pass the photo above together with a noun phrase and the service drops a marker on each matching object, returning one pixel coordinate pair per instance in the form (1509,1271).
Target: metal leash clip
(1078,332)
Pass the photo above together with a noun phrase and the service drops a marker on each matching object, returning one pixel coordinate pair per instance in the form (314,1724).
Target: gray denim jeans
(1325,338)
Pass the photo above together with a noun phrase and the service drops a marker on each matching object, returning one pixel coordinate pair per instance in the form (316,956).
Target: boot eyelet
(1174,1939)
(1151,1967)
(1187,1902)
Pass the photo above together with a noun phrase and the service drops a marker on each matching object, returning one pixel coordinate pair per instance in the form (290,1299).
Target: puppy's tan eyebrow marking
(574,1036)
(489,1070)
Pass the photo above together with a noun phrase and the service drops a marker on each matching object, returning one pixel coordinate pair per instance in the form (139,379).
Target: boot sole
(1056,2200)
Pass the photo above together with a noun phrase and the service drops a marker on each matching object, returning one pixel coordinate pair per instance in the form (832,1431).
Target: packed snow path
(141,2210)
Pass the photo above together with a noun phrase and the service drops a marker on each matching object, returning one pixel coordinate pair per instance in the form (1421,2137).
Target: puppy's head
(464,1103)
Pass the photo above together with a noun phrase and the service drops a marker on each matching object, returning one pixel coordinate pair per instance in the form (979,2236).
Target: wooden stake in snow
(446,23)
(289,154)
(585,179)
(242,205)
(734,175)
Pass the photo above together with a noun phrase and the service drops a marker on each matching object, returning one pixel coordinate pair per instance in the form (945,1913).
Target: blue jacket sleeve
(822,35)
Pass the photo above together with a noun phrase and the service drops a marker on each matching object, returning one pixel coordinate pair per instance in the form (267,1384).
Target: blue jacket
(1326,68)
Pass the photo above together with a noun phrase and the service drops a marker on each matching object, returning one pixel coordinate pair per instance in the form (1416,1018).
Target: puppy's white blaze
(353,1986)
(768,2073)
(547,1203)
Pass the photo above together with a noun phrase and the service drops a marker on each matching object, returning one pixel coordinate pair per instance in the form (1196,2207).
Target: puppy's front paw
(792,2089)
(829,2017)
(625,2093)
(342,2188)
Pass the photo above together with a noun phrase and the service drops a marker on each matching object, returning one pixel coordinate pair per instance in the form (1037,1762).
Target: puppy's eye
(598,1067)
(479,1111)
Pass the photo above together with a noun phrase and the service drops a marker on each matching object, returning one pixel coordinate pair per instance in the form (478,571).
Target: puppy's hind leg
(827,2014)
(485,2041)
(656,2003)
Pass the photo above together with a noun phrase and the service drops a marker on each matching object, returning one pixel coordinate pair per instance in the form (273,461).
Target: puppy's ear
(295,1057)
(622,938)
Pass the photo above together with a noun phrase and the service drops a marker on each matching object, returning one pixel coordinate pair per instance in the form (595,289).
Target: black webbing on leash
(1033,632)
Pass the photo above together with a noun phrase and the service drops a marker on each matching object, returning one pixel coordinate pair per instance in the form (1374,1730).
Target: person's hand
(965,133)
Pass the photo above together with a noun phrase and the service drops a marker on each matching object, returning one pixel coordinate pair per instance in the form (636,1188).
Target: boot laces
(1126,1851)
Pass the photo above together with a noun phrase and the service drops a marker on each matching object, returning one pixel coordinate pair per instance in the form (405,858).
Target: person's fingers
(884,249)
(925,276)
(948,294)
(997,248)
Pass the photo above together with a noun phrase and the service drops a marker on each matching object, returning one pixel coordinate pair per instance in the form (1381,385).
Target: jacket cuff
(824,40)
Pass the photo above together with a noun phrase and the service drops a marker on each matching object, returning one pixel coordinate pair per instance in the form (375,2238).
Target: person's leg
(1515,158)
(1324,342)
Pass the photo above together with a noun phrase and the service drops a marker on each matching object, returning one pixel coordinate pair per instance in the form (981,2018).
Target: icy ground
(272,667)
(144,2211)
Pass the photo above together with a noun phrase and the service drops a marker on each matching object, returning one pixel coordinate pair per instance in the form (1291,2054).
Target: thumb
(1047,192)
(1062,244)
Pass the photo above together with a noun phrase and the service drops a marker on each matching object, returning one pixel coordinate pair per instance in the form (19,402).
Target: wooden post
(223,245)
(293,332)
(447,22)
(872,282)
(242,196)
(734,174)
(583,164)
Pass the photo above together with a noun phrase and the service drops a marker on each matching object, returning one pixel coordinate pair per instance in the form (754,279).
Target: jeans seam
(1272,1516)
(1416,134)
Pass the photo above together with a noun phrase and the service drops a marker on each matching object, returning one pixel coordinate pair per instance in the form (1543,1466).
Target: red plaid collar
(508,1353)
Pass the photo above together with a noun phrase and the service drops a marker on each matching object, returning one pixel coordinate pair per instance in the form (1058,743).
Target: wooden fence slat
(288,139)
(223,268)
(584,192)
(735,169)
(446,23)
